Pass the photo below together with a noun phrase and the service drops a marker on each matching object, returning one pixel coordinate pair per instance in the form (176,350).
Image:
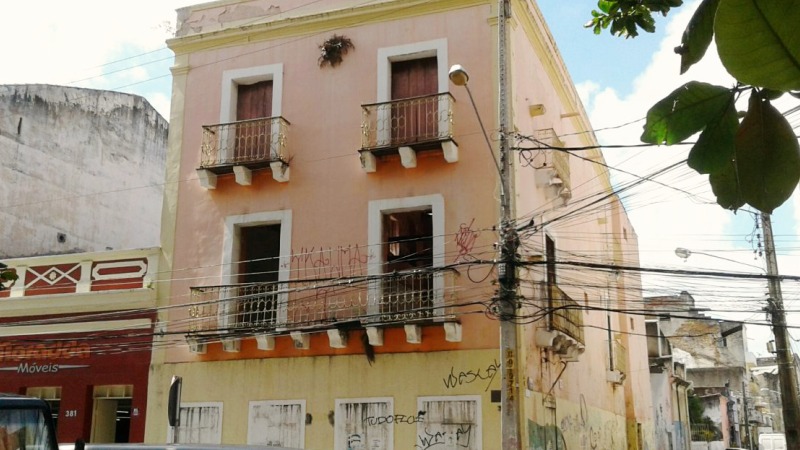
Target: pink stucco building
(331,226)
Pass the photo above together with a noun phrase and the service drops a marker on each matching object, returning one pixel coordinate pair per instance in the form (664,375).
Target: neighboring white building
(82,170)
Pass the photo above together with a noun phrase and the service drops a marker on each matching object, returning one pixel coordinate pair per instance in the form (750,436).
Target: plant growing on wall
(333,49)
(6,276)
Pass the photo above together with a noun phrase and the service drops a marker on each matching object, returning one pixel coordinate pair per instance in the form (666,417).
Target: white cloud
(68,42)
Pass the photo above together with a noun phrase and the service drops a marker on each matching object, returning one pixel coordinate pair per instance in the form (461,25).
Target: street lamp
(459,76)
(685,253)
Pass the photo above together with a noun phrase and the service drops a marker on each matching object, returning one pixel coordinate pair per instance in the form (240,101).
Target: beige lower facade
(401,400)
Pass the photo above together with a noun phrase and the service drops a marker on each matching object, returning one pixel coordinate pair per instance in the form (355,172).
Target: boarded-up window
(358,426)
(279,423)
(200,423)
(414,120)
(449,423)
(253,138)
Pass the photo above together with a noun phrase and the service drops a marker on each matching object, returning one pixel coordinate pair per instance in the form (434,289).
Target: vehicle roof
(20,401)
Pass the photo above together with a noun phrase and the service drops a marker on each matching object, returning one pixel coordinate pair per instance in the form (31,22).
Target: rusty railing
(566,315)
(244,142)
(220,309)
(407,122)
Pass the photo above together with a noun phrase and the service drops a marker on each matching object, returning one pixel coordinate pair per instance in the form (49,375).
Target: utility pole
(509,242)
(786,370)
(746,418)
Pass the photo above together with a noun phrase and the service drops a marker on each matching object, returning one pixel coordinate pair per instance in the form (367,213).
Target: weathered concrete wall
(82,170)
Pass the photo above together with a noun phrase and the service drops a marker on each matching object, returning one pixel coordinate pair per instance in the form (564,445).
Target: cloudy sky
(120,46)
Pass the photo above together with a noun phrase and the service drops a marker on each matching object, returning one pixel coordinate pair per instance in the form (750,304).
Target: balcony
(230,313)
(81,282)
(564,331)
(242,147)
(406,127)
(617,362)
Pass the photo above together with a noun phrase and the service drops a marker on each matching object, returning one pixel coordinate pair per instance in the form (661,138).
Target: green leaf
(698,33)
(767,156)
(725,186)
(605,5)
(685,111)
(759,41)
(770,94)
(715,147)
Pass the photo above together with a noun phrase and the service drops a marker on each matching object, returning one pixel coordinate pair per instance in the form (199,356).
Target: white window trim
(302,404)
(337,430)
(388,55)
(250,75)
(231,249)
(376,209)
(220,405)
(478,410)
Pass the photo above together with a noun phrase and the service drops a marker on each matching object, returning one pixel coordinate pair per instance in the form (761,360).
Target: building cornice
(78,327)
(245,32)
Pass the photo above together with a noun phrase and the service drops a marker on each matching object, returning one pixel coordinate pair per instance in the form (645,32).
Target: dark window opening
(258,274)
(407,251)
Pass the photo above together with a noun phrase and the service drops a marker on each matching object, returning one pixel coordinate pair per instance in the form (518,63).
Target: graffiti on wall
(465,242)
(455,379)
(460,436)
(544,437)
(312,265)
(330,262)
(578,430)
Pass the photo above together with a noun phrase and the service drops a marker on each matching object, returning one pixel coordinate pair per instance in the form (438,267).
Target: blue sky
(120,46)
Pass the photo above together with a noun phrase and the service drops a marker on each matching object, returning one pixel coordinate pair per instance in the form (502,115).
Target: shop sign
(30,356)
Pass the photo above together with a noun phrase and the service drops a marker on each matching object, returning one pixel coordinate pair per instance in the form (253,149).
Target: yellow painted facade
(322,380)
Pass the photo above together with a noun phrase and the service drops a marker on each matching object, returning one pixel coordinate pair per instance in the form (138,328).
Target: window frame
(376,210)
(188,405)
(231,79)
(231,242)
(338,419)
(478,413)
(406,52)
(268,403)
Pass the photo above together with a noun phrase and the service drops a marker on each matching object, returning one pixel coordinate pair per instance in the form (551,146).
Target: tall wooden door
(414,120)
(253,139)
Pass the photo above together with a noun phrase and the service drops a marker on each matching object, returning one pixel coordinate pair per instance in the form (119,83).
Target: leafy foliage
(333,49)
(624,17)
(757,161)
(7,276)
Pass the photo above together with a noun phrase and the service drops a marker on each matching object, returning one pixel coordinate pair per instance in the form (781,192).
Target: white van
(771,441)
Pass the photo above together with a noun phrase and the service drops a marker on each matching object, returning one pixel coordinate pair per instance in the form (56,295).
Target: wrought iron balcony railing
(255,308)
(417,122)
(253,143)
(620,357)
(222,309)
(566,315)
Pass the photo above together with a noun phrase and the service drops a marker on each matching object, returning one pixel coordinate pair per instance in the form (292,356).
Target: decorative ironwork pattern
(225,308)
(405,296)
(566,315)
(244,142)
(620,360)
(407,122)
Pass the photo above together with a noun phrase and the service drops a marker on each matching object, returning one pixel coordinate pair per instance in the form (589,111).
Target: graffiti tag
(457,379)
